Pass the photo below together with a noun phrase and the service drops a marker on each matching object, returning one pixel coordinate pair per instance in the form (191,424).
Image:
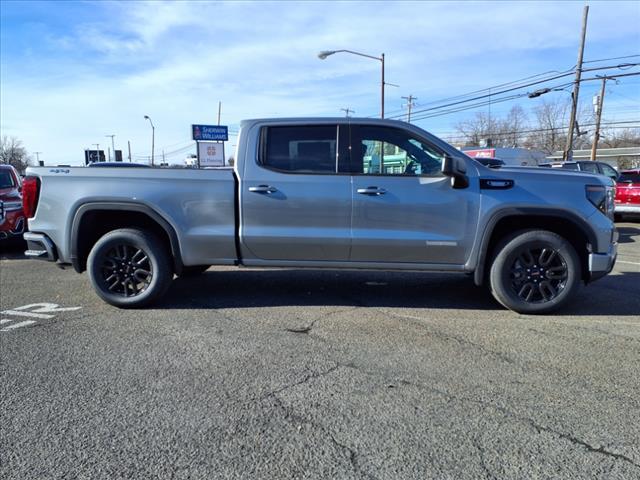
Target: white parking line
(17,325)
(26,314)
(630,263)
(43,310)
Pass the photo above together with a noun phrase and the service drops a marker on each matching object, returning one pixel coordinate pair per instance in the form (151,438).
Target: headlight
(602,198)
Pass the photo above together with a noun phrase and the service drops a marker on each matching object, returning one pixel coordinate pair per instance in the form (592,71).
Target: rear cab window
(300,149)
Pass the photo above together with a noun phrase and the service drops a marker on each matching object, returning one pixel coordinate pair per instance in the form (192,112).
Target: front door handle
(263,189)
(371,191)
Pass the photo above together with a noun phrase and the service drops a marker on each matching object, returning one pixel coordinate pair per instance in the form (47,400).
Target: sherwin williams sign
(210,133)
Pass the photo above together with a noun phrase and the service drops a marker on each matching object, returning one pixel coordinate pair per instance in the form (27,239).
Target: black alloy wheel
(534,271)
(130,268)
(126,270)
(539,274)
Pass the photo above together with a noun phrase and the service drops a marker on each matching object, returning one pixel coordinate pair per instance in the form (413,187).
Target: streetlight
(153,137)
(325,53)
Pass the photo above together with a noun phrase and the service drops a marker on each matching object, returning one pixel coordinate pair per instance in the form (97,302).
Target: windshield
(629,178)
(6,180)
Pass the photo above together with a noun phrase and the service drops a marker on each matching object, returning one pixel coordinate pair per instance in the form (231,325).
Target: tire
(193,271)
(111,265)
(534,272)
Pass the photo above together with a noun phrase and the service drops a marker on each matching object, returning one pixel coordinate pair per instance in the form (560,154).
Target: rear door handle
(263,189)
(371,191)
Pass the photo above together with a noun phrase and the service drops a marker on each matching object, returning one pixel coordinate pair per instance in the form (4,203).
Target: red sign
(481,153)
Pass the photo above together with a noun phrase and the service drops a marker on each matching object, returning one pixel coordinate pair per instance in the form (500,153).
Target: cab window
(589,167)
(609,171)
(300,149)
(391,151)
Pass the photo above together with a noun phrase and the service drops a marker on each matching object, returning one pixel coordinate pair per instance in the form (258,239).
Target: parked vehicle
(516,157)
(490,162)
(600,168)
(628,193)
(12,218)
(329,193)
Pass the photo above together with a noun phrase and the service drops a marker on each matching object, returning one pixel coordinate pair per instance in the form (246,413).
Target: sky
(73,72)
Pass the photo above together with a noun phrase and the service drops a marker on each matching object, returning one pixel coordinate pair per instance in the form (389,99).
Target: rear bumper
(600,264)
(40,246)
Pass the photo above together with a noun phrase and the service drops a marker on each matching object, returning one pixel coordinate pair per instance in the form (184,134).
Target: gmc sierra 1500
(328,193)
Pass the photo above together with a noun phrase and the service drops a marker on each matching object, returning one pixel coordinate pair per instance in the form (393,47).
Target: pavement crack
(447,337)
(305,329)
(312,375)
(290,415)
(576,441)
(353,457)
(539,428)
(483,464)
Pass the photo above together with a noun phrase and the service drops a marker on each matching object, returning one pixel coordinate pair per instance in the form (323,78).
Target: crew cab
(12,219)
(338,193)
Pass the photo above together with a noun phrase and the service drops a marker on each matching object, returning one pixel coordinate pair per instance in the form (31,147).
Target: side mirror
(455,168)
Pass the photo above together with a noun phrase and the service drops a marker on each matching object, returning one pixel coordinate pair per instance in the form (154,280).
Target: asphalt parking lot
(317,374)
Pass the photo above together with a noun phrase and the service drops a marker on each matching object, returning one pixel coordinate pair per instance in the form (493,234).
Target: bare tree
(477,129)
(512,126)
(12,152)
(550,120)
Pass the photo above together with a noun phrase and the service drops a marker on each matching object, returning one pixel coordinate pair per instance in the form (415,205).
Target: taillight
(30,195)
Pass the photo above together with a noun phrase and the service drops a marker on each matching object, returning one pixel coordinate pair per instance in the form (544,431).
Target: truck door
(294,204)
(404,209)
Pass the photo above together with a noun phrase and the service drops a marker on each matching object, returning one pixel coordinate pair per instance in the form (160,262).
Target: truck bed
(198,204)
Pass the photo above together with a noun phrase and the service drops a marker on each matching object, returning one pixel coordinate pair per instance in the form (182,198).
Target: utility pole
(219,111)
(129,145)
(37,154)
(596,135)
(382,88)
(410,105)
(568,151)
(113,147)
(347,111)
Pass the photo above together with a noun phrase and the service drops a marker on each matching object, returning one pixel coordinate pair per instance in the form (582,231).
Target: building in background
(510,156)
(622,158)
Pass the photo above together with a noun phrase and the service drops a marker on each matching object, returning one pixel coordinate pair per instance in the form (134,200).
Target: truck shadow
(628,234)
(612,295)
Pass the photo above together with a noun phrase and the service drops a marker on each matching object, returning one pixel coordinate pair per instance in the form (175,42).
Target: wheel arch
(566,224)
(103,217)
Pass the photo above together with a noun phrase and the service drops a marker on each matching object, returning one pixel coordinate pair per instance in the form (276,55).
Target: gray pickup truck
(328,193)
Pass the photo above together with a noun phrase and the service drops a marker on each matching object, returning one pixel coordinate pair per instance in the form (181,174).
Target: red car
(12,220)
(628,193)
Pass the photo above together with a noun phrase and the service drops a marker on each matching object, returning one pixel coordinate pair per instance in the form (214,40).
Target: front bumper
(627,208)
(600,264)
(40,246)
(12,223)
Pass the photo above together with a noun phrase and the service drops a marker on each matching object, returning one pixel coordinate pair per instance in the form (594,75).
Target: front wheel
(535,271)
(129,268)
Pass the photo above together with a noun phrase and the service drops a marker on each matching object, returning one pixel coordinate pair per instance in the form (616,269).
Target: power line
(537,82)
(564,127)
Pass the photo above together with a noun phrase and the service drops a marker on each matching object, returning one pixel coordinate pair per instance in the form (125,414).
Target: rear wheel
(129,268)
(535,271)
